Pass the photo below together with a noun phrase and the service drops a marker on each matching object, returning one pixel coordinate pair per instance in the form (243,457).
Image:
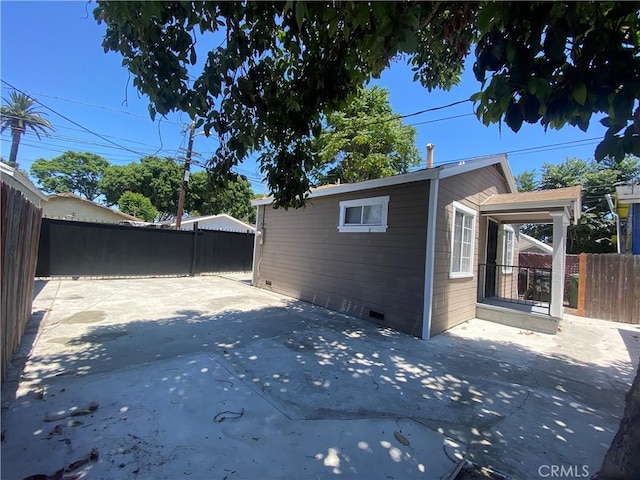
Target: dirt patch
(90,316)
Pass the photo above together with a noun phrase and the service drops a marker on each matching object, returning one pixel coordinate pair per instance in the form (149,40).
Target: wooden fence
(609,287)
(20,230)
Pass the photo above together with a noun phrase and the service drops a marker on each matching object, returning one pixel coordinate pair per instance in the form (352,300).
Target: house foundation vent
(376,315)
(267,282)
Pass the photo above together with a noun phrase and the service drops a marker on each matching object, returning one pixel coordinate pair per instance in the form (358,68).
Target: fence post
(194,250)
(582,284)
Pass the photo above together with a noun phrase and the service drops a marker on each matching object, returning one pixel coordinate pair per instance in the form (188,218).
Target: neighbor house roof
(21,179)
(441,171)
(124,216)
(527,241)
(534,207)
(188,221)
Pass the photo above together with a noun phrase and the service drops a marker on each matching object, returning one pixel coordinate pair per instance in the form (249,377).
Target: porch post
(560,223)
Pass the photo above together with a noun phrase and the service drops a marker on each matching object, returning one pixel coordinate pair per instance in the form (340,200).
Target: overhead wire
(255,175)
(64,127)
(69,120)
(93,105)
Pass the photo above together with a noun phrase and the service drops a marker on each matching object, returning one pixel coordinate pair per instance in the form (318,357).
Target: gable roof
(534,242)
(21,179)
(441,171)
(75,197)
(536,205)
(191,220)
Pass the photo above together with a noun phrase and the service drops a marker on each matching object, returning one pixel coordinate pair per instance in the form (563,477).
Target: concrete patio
(206,377)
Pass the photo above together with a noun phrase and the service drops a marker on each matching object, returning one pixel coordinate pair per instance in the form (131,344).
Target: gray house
(419,252)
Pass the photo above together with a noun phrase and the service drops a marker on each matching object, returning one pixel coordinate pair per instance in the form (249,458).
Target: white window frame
(507,265)
(364,202)
(458,207)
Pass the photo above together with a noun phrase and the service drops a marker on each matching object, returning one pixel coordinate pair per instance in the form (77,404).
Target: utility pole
(185,176)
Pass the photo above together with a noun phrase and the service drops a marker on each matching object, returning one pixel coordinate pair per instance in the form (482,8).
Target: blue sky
(52,50)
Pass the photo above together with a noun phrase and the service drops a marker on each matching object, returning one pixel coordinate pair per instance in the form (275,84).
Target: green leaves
(19,115)
(137,205)
(561,64)
(597,179)
(580,93)
(365,140)
(280,69)
(71,172)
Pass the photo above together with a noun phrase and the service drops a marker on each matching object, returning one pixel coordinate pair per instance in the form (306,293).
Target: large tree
(593,233)
(137,205)
(364,140)
(159,180)
(74,172)
(281,67)
(19,115)
(156,178)
(233,198)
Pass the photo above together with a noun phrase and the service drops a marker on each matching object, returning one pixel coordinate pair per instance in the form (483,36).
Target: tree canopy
(159,180)
(363,141)
(205,198)
(593,233)
(74,172)
(156,178)
(19,115)
(282,67)
(137,205)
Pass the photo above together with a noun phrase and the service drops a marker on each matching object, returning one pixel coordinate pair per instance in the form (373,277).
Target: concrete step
(515,318)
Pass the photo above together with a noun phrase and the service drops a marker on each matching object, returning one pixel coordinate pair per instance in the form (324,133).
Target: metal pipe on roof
(430,147)
(617,217)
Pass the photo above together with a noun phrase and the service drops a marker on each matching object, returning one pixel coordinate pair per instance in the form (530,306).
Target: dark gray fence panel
(69,248)
(219,251)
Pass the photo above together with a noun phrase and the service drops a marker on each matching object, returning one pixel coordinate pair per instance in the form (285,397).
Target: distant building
(221,221)
(532,245)
(67,206)
(21,182)
(628,208)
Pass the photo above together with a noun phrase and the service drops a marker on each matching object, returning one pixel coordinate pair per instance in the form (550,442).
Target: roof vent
(430,147)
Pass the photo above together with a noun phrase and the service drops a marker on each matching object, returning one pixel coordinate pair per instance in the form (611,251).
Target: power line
(442,119)
(562,144)
(420,112)
(526,151)
(94,106)
(53,135)
(69,120)
(433,109)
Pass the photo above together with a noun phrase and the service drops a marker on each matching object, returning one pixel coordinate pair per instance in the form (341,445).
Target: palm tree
(18,115)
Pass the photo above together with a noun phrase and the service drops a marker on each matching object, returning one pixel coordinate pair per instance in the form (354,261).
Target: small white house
(532,245)
(21,182)
(221,221)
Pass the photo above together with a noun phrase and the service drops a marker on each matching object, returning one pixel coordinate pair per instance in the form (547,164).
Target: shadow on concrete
(16,367)
(38,285)
(631,339)
(513,407)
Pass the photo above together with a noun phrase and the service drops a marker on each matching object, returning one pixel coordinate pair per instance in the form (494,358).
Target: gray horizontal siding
(454,299)
(305,256)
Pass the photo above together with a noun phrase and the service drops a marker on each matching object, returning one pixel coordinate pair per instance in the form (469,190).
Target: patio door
(492,260)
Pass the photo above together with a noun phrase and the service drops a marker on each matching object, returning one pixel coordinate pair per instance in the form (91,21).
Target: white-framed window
(463,234)
(508,246)
(364,215)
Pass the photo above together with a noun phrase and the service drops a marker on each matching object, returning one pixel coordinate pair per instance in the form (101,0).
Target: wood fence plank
(20,235)
(612,287)
(600,275)
(582,284)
